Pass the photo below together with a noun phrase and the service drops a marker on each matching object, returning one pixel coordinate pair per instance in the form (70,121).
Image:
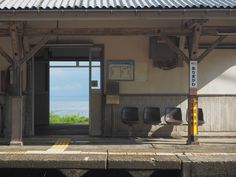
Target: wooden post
(16,95)
(193,98)
(28,128)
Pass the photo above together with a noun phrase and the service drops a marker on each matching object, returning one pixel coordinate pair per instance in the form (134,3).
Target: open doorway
(70,82)
(69,93)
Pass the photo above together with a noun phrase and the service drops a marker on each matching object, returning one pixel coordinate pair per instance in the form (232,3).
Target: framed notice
(121,70)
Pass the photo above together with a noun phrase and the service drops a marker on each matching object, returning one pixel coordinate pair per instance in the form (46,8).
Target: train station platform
(212,157)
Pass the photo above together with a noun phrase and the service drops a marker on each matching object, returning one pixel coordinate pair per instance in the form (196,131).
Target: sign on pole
(193,77)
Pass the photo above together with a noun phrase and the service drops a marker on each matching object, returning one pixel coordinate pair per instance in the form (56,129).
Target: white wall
(217,72)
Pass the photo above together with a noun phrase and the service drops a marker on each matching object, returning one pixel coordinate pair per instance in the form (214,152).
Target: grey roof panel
(71,4)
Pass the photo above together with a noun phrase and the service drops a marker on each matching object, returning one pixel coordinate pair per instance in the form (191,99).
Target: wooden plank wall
(2,114)
(219,113)
(95,122)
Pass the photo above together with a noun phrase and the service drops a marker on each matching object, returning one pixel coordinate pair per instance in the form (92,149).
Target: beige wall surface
(217,72)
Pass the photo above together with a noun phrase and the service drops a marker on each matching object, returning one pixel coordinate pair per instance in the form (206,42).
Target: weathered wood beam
(173,47)
(6,56)
(194,41)
(29,105)
(182,40)
(194,22)
(96,31)
(104,31)
(26,46)
(16,95)
(16,51)
(15,43)
(206,30)
(36,48)
(211,48)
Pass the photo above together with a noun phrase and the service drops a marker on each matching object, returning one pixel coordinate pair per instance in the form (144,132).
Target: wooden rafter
(6,56)
(194,42)
(16,51)
(211,48)
(194,22)
(104,31)
(15,43)
(173,47)
(206,30)
(26,45)
(35,49)
(98,31)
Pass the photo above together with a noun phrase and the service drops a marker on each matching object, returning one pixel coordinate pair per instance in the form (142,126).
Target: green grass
(67,119)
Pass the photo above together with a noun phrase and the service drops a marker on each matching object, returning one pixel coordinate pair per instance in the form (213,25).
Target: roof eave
(119,14)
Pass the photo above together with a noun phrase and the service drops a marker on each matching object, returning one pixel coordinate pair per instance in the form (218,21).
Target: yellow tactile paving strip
(60,146)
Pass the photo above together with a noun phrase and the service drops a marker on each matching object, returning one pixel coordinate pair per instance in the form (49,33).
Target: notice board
(121,70)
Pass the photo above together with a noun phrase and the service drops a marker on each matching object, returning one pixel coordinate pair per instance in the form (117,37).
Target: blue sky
(69,83)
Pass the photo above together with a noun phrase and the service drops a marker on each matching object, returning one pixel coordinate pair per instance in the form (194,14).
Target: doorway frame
(102,79)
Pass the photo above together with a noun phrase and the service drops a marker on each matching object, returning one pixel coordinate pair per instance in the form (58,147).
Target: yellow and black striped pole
(194,41)
(193,104)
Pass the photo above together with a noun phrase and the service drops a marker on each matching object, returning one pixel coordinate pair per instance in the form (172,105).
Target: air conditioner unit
(163,57)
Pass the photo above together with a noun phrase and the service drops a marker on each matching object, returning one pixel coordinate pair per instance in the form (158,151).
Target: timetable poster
(121,70)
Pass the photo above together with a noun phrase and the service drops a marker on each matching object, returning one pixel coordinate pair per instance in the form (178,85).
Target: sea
(69,106)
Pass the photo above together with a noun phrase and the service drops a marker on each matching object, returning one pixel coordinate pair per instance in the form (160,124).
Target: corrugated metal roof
(110,4)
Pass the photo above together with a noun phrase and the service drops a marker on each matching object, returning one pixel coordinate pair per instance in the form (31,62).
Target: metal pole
(193,98)
(193,104)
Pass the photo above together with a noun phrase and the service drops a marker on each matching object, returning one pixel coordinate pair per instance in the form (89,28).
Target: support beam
(16,95)
(206,31)
(194,41)
(182,40)
(103,31)
(194,22)
(173,47)
(28,106)
(6,56)
(211,48)
(36,48)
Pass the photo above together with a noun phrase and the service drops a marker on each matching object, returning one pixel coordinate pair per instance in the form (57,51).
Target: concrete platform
(213,157)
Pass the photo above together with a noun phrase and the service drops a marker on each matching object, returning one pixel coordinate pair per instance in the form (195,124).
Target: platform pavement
(212,157)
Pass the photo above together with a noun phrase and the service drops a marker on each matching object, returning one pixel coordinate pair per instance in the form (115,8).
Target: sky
(69,89)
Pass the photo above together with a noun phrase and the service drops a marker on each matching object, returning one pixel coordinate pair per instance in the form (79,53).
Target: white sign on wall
(121,70)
